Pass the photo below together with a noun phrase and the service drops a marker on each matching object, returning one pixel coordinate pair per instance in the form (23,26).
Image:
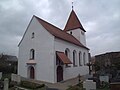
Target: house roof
(73,22)
(57,32)
(9,58)
(63,58)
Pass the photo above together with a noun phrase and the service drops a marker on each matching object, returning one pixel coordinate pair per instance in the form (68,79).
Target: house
(107,63)
(50,54)
(8,63)
(107,59)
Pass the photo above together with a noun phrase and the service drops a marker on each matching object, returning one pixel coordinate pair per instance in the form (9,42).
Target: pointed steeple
(73,22)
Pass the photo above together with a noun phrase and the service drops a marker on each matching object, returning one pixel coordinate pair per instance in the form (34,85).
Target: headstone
(104,78)
(88,76)
(0,75)
(6,81)
(16,78)
(89,85)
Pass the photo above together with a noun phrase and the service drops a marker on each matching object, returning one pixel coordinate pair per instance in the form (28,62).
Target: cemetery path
(60,85)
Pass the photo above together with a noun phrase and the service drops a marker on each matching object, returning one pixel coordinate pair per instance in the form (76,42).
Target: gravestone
(104,78)
(0,75)
(15,78)
(89,85)
(6,81)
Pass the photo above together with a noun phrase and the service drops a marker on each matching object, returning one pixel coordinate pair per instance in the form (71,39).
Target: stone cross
(6,81)
(89,85)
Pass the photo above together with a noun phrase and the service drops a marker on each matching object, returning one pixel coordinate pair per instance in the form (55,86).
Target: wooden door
(32,73)
(59,73)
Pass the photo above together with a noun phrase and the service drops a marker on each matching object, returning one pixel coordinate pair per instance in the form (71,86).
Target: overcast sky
(100,18)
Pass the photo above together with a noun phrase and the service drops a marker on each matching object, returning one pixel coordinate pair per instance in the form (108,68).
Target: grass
(103,89)
(80,87)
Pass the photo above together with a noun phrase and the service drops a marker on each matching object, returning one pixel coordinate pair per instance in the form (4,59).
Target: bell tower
(75,28)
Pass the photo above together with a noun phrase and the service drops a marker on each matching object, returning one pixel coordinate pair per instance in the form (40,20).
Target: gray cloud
(100,18)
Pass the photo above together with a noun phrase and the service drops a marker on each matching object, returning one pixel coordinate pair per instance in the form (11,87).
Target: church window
(67,53)
(84,58)
(74,59)
(71,32)
(33,35)
(32,54)
(80,58)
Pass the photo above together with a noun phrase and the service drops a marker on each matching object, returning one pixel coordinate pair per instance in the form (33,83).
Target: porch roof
(63,57)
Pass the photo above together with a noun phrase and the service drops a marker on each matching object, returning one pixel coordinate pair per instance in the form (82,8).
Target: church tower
(75,28)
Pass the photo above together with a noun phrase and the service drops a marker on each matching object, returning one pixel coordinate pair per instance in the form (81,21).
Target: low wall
(115,86)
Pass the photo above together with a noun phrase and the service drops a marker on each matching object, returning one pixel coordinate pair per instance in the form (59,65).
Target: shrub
(31,85)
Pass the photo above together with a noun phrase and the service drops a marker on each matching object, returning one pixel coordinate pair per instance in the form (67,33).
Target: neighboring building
(8,63)
(92,62)
(107,59)
(50,54)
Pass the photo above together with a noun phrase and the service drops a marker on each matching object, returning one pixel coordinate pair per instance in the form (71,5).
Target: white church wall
(71,72)
(43,44)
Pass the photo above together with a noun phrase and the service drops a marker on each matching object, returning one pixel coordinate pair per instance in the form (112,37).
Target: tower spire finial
(72,5)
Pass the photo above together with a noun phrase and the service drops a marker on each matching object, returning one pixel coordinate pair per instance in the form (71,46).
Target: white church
(49,54)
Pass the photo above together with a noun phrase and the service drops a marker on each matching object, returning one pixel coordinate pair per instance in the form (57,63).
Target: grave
(89,85)
(104,78)
(15,78)
(0,75)
(6,81)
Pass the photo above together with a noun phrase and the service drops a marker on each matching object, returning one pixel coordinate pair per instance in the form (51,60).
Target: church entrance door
(32,72)
(59,73)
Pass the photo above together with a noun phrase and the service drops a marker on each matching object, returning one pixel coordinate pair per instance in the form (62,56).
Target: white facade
(43,44)
(71,72)
(43,66)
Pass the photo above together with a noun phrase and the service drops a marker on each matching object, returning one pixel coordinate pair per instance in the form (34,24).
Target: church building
(49,54)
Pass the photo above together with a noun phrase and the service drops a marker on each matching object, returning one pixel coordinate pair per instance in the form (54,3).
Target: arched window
(71,32)
(80,58)
(32,54)
(84,58)
(33,34)
(74,58)
(67,53)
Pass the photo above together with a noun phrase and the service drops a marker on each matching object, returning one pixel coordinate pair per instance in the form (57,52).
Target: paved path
(60,85)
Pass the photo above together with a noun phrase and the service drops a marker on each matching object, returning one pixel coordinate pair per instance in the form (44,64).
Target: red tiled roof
(63,58)
(55,31)
(73,22)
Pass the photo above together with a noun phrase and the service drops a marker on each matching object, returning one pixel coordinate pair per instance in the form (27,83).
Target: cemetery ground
(22,84)
(15,81)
